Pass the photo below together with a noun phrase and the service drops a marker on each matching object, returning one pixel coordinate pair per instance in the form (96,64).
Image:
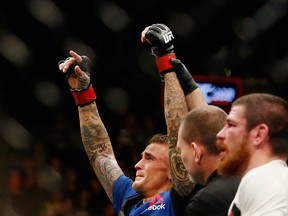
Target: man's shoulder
(219,187)
(220,183)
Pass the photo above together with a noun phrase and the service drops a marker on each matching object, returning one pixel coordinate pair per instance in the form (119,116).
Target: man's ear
(260,133)
(197,152)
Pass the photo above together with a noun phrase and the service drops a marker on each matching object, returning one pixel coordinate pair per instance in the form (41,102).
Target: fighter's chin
(137,183)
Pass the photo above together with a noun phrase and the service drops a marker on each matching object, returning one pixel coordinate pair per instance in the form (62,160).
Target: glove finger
(155,29)
(160,27)
(86,65)
(176,63)
(70,71)
(151,35)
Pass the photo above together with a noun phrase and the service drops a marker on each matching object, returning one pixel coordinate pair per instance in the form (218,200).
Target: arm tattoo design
(98,147)
(175,109)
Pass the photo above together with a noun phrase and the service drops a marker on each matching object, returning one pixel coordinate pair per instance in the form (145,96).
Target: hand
(187,82)
(78,70)
(161,39)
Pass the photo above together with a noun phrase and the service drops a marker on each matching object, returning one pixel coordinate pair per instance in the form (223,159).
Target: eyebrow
(147,154)
(230,121)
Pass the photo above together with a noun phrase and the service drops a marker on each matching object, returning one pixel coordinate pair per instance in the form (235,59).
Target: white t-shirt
(263,191)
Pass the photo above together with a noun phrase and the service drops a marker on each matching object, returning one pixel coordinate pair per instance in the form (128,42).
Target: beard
(234,162)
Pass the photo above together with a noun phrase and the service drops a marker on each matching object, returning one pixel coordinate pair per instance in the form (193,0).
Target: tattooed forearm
(107,171)
(175,110)
(175,104)
(98,147)
(95,140)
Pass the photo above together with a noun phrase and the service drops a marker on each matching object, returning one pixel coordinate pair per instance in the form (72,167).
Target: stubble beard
(137,186)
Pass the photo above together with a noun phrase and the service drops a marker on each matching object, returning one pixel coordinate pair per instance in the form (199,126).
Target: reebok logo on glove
(168,37)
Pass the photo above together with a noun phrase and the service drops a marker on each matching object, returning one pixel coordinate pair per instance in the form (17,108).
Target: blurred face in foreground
(234,143)
(152,171)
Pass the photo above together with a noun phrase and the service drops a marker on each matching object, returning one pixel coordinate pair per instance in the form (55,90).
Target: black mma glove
(81,86)
(187,82)
(161,40)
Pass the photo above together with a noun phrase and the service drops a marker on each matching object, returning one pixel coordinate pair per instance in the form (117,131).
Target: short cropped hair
(270,110)
(159,138)
(202,124)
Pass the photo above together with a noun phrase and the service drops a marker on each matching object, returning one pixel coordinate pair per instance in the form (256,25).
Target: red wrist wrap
(163,62)
(84,97)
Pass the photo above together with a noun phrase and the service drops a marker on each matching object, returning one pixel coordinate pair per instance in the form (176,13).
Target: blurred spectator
(36,194)
(67,207)
(51,177)
(16,196)
(99,200)
(53,206)
(72,185)
(83,202)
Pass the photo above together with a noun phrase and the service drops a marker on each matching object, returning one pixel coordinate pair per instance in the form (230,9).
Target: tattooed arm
(93,132)
(175,106)
(98,147)
(175,109)
(181,95)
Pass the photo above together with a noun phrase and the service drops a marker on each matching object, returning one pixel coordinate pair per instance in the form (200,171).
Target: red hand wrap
(84,97)
(163,62)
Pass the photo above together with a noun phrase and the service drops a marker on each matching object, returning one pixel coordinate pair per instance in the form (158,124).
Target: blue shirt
(158,205)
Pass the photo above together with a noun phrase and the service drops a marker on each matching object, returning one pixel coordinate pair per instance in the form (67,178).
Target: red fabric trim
(163,63)
(84,97)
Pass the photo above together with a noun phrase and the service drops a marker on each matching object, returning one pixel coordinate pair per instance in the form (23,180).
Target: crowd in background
(54,177)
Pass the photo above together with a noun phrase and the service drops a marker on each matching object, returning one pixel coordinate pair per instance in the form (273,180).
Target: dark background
(245,39)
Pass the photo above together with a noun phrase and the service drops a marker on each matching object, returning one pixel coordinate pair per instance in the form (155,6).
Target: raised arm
(181,95)
(193,95)
(175,108)
(94,135)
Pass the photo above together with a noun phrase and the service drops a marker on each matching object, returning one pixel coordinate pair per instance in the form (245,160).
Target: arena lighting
(220,91)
